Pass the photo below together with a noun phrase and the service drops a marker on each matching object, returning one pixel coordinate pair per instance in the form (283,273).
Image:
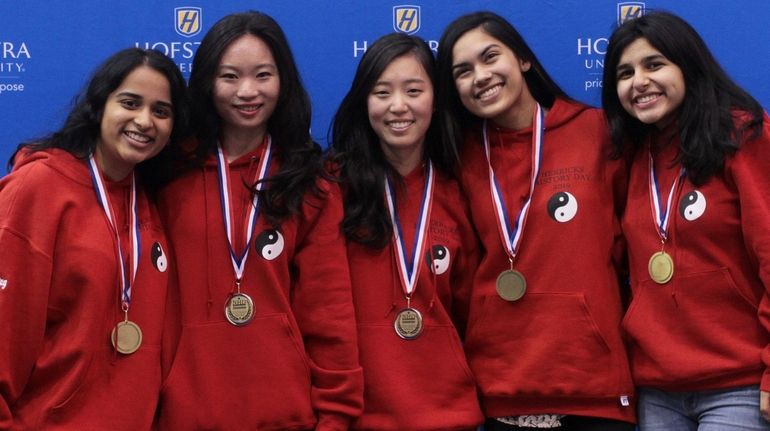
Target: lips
(248,109)
(399,125)
(489,92)
(646,99)
(137,137)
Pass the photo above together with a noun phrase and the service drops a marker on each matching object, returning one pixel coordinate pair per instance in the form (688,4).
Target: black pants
(568,423)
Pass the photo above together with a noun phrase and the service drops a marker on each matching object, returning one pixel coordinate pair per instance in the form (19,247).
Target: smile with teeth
(646,98)
(399,124)
(489,92)
(248,108)
(138,137)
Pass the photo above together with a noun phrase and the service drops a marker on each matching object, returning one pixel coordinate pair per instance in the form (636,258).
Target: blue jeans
(720,410)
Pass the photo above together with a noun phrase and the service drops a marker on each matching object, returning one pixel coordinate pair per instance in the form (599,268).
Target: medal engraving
(239,309)
(408,323)
(126,337)
(511,285)
(661,267)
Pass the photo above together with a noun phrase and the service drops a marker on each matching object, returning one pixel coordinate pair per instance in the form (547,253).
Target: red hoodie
(295,365)
(59,301)
(709,326)
(423,383)
(559,348)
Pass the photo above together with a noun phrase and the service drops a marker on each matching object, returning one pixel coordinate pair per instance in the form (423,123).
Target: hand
(764,405)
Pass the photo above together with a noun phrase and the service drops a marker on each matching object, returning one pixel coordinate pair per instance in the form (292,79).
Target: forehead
(245,49)
(638,50)
(145,81)
(407,66)
(472,43)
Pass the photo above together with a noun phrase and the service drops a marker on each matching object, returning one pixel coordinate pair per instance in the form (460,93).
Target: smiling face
(490,81)
(136,123)
(650,87)
(246,87)
(400,107)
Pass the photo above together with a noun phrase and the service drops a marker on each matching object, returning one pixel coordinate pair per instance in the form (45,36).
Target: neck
(519,116)
(236,143)
(113,173)
(404,160)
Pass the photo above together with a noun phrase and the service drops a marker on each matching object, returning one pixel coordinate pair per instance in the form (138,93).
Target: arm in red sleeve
(323,306)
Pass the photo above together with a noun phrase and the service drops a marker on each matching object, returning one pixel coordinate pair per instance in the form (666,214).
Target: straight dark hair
(81,130)
(453,116)
(705,120)
(289,125)
(355,147)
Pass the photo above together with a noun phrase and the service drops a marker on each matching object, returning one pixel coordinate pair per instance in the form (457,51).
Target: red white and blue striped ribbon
(126,277)
(659,213)
(511,236)
(223,168)
(409,269)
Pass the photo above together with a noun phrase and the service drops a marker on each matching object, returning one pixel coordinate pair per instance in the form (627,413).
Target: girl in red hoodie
(697,227)
(267,338)
(411,247)
(543,333)
(83,258)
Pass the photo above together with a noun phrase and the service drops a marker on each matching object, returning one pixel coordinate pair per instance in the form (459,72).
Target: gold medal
(126,337)
(239,309)
(408,323)
(661,267)
(511,285)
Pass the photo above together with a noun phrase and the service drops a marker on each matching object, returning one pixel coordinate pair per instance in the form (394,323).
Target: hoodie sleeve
(323,306)
(751,172)
(26,228)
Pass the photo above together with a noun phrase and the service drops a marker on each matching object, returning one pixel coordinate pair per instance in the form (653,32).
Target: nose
(398,103)
(481,76)
(143,119)
(640,79)
(247,89)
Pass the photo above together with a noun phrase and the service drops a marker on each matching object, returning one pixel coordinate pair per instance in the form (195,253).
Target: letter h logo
(406,19)
(187,21)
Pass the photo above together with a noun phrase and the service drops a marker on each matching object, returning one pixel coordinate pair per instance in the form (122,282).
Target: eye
(623,74)
(491,56)
(163,112)
(381,93)
(228,76)
(414,92)
(264,75)
(129,103)
(460,73)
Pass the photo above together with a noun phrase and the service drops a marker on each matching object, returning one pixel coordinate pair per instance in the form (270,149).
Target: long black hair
(454,117)
(356,150)
(705,119)
(289,125)
(81,130)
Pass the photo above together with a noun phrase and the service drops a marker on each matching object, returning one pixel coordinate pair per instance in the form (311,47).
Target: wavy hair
(81,130)
(289,125)
(355,147)
(705,120)
(453,116)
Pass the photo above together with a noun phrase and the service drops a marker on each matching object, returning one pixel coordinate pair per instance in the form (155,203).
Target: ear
(524,65)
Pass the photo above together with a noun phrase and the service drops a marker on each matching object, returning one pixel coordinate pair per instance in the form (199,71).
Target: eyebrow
(258,66)
(136,96)
(645,59)
(481,54)
(406,81)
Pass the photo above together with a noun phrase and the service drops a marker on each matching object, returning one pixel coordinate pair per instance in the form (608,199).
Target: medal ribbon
(659,213)
(223,168)
(409,270)
(126,278)
(511,236)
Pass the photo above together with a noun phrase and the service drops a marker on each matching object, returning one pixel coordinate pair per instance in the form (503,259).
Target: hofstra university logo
(187,21)
(406,19)
(629,10)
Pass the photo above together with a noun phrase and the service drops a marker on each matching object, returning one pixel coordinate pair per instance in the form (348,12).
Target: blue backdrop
(49,48)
